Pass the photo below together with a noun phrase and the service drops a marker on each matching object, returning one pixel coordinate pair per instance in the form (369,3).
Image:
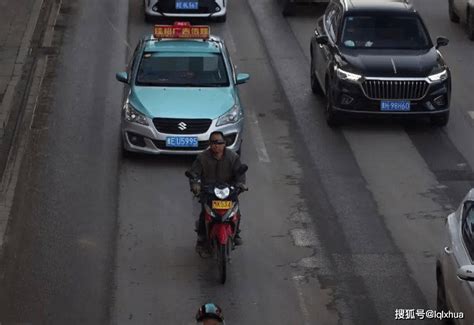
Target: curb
(27,106)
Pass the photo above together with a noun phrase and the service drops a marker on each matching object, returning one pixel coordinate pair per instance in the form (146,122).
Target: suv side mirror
(466,273)
(242,78)
(322,40)
(441,41)
(122,77)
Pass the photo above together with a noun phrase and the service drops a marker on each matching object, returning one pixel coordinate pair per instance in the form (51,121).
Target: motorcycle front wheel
(222,259)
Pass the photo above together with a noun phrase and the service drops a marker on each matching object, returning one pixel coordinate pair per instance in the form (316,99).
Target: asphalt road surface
(339,226)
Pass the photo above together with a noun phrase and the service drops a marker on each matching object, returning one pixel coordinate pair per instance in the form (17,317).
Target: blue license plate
(187,4)
(395,106)
(182,142)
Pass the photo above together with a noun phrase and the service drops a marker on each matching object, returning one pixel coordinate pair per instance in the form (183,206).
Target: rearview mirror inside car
(441,41)
(122,77)
(242,78)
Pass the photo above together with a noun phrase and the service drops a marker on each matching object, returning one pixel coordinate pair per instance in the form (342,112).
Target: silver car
(214,9)
(463,11)
(455,265)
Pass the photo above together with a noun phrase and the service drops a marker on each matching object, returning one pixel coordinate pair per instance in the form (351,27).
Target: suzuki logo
(182,126)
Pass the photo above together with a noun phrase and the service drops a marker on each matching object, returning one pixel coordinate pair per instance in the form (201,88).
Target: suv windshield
(385,32)
(182,70)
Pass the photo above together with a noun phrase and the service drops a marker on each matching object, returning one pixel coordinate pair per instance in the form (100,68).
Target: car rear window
(385,32)
(182,70)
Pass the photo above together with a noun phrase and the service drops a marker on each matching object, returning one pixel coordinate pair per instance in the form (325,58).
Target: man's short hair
(217,132)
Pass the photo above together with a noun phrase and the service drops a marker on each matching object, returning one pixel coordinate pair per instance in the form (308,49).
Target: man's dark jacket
(211,170)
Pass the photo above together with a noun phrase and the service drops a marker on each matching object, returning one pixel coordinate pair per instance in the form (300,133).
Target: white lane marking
(258,138)
(471,114)
(304,310)
(119,34)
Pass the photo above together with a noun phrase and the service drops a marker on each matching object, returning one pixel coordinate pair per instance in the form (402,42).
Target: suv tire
(315,86)
(452,15)
(332,119)
(470,24)
(440,120)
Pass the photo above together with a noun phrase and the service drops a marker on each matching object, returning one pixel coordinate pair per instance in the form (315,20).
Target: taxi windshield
(385,32)
(182,70)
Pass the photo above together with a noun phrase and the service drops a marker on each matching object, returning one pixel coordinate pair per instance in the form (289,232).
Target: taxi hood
(180,102)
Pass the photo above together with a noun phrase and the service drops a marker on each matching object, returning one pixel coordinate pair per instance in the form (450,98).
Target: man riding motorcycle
(216,164)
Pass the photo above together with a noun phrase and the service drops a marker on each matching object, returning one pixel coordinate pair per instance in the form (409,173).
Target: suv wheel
(331,116)
(441,303)
(440,119)
(470,24)
(452,15)
(315,86)
(221,19)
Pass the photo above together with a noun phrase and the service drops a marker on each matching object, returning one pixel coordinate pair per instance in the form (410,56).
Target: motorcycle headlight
(132,115)
(232,116)
(222,193)
(348,76)
(437,77)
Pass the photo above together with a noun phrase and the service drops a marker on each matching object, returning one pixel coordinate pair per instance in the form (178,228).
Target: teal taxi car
(181,86)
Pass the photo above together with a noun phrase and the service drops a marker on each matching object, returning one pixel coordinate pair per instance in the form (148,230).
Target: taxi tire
(440,120)
(221,19)
(470,24)
(452,15)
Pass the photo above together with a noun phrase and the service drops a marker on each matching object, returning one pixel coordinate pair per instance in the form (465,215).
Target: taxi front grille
(395,89)
(182,126)
(205,7)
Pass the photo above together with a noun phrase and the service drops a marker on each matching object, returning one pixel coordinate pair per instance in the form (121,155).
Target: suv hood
(393,63)
(180,102)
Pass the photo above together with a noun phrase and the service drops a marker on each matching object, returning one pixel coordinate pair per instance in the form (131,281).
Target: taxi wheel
(440,120)
(452,15)
(470,24)
(221,19)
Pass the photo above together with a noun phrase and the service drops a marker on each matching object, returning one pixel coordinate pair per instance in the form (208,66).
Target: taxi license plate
(395,106)
(187,4)
(182,142)
(221,204)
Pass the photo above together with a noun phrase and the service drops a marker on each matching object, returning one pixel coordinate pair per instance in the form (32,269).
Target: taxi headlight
(222,193)
(437,77)
(132,115)
(232,116)
(348,76)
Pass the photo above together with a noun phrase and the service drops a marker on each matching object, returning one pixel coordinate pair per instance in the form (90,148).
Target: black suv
(377,57)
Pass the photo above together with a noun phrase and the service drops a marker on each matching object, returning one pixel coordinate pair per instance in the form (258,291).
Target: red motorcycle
(221,209)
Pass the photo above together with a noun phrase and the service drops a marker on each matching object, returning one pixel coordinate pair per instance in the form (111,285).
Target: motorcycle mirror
(242,169)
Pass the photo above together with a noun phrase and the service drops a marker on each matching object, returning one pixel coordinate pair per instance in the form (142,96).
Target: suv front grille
(395,89)
(182,126)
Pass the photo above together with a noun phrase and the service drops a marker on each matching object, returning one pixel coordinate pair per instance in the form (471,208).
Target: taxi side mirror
(122,77)
(242,78)
(466,273)
(441,41)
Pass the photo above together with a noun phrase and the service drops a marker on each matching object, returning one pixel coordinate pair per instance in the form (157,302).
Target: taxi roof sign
(182,30)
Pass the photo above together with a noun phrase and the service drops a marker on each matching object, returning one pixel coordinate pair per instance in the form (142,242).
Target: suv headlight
(132,115)
(348,76)
(232,116)
(437,77)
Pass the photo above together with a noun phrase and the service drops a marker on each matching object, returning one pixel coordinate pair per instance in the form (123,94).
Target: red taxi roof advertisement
(182,30)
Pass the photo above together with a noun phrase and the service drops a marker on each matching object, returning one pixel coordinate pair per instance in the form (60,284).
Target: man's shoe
(237,240)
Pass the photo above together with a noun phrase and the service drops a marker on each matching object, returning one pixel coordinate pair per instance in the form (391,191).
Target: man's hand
(196,188)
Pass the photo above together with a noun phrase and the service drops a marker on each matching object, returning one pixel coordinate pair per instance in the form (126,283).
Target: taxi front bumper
(147,139)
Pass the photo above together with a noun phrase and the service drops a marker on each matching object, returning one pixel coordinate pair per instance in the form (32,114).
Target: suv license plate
(395,106)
